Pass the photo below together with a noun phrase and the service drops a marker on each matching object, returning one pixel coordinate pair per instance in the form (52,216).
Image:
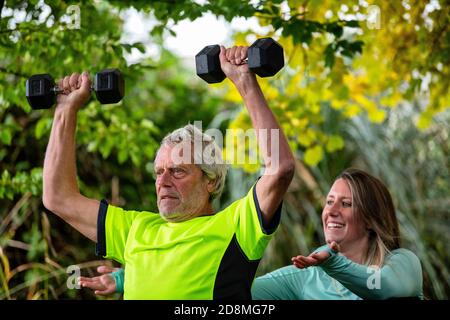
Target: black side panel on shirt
(271,226)
(235,276)
(100,246)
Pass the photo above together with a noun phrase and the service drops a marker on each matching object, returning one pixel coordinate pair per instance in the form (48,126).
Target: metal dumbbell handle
(245,61)
(58,90)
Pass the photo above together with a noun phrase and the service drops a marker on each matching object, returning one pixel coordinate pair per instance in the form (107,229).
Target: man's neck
(208,210)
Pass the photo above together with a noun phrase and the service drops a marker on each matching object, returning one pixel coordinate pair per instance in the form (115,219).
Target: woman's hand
(314,259)
(103,285)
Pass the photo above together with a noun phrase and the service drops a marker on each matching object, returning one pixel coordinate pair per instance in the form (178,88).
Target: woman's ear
(370,231)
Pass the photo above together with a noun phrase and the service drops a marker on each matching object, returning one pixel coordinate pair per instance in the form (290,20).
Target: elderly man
(186,251)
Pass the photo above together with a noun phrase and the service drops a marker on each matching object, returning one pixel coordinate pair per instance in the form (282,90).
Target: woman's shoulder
(404,256)
(403,252)
(408,270)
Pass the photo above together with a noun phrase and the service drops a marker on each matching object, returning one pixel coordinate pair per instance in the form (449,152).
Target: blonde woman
(363,258)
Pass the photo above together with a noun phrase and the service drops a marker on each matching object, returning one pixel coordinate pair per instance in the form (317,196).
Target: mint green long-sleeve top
(340,278)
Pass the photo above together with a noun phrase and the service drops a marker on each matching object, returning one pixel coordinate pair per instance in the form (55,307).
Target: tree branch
(18,74)
(2,3)
(21,29)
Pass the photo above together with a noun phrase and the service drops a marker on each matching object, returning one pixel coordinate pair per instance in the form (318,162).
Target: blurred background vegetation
(365,85)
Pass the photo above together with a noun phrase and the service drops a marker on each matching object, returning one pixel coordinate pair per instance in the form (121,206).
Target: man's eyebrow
(177,166)
(173,166)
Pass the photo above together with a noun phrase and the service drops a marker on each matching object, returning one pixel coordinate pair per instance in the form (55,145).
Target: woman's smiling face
(340,224)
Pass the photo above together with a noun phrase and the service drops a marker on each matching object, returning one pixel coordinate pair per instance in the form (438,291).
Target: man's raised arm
(61,194)
(280,167)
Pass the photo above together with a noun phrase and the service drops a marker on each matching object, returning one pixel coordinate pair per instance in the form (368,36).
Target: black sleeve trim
(100,247)
(271,226)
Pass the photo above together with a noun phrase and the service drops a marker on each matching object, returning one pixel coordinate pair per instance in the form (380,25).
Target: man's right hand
(103,285)
(76,91)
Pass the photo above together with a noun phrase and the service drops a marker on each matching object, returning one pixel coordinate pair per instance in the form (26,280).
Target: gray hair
(210,162)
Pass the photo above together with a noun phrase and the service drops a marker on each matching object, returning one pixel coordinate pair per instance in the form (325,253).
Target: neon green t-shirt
(208,257)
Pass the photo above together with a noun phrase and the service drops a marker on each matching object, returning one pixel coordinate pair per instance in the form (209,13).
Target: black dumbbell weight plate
(207,63)
(265,57)
(109,86)
(39,91)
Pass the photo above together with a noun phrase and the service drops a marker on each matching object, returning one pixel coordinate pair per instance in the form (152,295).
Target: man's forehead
(173,155)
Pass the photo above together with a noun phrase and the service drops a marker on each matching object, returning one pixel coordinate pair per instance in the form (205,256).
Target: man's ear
(211,185)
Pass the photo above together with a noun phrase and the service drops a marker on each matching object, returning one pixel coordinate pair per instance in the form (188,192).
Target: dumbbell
(265,58)
(109,87)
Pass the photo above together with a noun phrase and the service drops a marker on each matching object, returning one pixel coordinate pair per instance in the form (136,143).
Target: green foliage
(21,183)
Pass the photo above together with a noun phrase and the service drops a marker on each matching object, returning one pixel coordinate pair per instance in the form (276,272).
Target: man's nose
(164,179)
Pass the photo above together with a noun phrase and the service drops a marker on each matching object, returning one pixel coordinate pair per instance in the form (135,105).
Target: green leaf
(106,147)
(140,46)
(352,24)
(149,125)
(5,176)
(122,156)
(356,46)
(135,157)
(3,154)
(127,47)
(329,55)
(335,29)
(6,136)
(42,127)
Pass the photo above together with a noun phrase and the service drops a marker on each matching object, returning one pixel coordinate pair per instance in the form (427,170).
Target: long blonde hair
(372,204)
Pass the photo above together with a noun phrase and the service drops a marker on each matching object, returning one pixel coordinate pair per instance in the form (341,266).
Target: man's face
(181,188)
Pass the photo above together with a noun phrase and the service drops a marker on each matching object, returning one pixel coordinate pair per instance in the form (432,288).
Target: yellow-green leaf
(313,155)
(377,115)
(334,143)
